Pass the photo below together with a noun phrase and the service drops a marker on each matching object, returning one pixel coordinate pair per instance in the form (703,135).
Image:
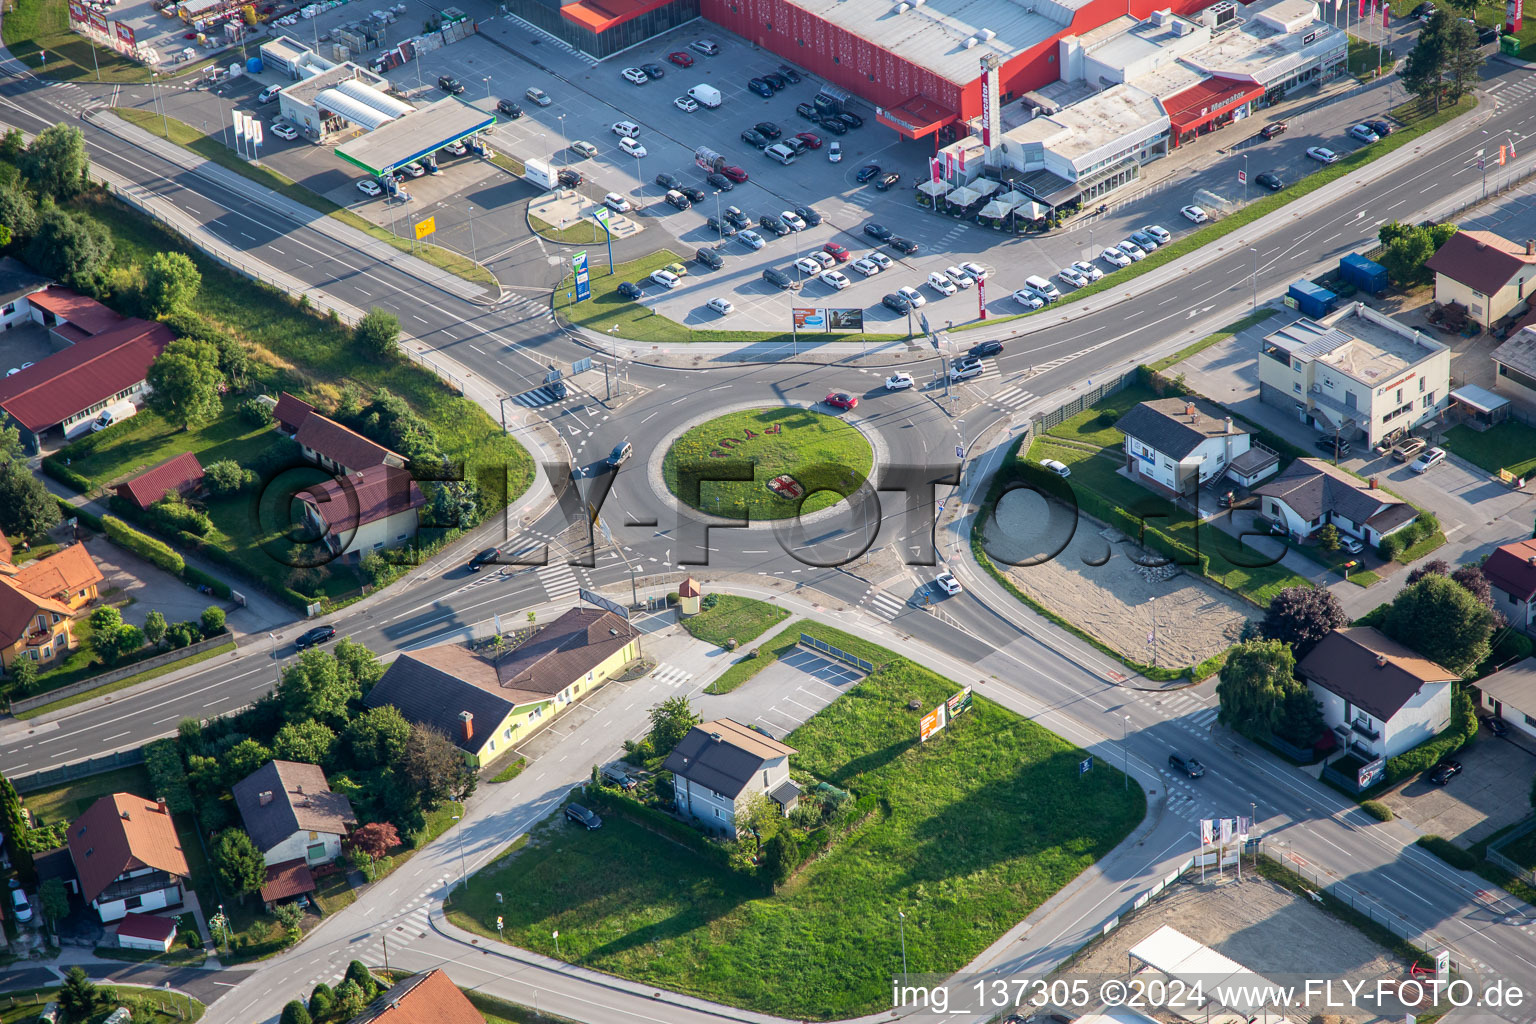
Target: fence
(1080,402)
(79,770)
(1495,854)
(835,652)
(1351,897)
(112,676)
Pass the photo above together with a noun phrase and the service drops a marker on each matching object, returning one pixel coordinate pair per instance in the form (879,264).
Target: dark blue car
(761,87)
(867,171)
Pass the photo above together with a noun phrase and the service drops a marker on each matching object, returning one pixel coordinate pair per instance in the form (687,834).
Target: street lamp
(487,88)
(1125,748)
(565,150)
(557,945)
(474,252)
(463,871)
(901,921)
(1255,276)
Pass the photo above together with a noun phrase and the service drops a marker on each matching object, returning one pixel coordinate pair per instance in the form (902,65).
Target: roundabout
(767,463)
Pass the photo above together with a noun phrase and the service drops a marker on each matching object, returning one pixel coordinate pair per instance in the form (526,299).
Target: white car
(1196,214)
(616,202)
(808,266)
(1364,133)
(836,279)
(965,369)
(415,170)
(1072,277)
(826,259)
(284,130)
(958,276)
(793,219)
(869,268)
(899,382)
(1088,270)
(455,149)
(20,908)
(1115,256)
(539,96)
(1059,468)
(666,279)
(685,104)
(1428,461)
(941,284)
(912,295)
(976,270)
(1029,300)
(13,371)
(1157,231)
(721,306)
(103,421)
(751,239)
(879,259)
(632,147)
(835,152)
(634,76)
(369,187)
(1322,155)
(1134,251)
(946,582)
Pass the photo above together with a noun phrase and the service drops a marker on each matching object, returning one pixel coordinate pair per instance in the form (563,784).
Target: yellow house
(39,603)
(1487,273)
(487,702)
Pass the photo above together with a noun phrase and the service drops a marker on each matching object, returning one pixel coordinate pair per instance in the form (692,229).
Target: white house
(1312,493)
(1485,272)
(1511,572)
(719,764)
(1511,695)
(291,814)
(1379,697)
(127,856)
(1176,445)
(360,512)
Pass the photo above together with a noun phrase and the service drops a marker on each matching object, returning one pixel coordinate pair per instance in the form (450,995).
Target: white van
(780,152)
(627,129)
(269,93)
(1042,288)
(706,95)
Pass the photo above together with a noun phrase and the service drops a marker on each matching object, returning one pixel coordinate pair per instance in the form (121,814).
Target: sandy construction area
(1094,583)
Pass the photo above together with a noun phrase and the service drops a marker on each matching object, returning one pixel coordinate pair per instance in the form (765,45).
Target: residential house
(1514,369)
(429,998)
(1176,446)
(40,602)
(1378,697)
(127,856)
(487,702)
(339,450)
(1357,373)
(720,764)
(290,413)
(290,813)
(362,512)
(103,367)
(1311,493)
(17,284)
(1485,272)
(145,931)
(1511,572)
(1510,694)
(180,474)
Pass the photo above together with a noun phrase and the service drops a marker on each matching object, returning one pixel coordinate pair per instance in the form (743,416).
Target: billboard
(1513,15)
(959,703)
(932,722)
(124,34)
(77,15)
(98,22)
(806,319)
(981,298)
(845,319)
(583,276)
(1369,773)
(827,319)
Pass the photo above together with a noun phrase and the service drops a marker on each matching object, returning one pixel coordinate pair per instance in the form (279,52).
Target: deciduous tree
(316,687)
(171,282)
(154,628)
(1438,618)
(185,379)
(376,334)
(436,767)
(376,838)
(71,249)
(1254,684)
(377,736)
(111,637)
(56,164)
(26,507)
(1301,616)
(295,1012)
(307,741)
(54,899)
(670,722)
(239,864)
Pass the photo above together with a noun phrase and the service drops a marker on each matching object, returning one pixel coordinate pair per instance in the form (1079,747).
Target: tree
(321,1001)
(212,620)
(18,212)
(435,768)
(15,828)
(1422,70)
(111,637)
(308,742)
(377,736)
(358,664)
(1434,567)
(26,507)
(779,858)
(360,976)
(23,676)
(72,249)
(290,916)
(55,164)
(1301,720)
(1328,537)
(1438,618)
(670,722)
(185,381)
(239,864)
(316,688)
(1475,583)
(376,334)
(54,899)
(1254,684)
(1301,616)
(241,759)
(452,504)
(171,282)
(1463,61)
(350,999)
(758,817)
(295,1012)
(225,477)
(78,996)
(154,628)
(376,838)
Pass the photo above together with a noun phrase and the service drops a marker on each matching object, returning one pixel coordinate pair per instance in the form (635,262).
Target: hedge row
(54,466)
(1455,856)
(69,511)
(167,777)
(1462,730)
(143,545)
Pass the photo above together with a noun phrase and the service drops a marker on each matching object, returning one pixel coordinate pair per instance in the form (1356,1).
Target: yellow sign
(932,722)
(425,227)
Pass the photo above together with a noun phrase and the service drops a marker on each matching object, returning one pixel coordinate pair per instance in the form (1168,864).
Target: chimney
(299,788)
(1381,661)
(264,797)
(124,814)
(160,802)
(1531,560)
(1530,246)
(469,724)
(1229,425)
(1189,410)
(1375,483)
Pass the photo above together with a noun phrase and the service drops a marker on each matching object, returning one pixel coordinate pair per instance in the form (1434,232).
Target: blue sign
(1083,765)
(583,279)
(959,451)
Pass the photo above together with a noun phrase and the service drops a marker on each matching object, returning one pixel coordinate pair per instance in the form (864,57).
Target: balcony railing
(1366,731)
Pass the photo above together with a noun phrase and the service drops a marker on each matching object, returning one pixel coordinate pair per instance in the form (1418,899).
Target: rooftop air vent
(986,34)
(971,41)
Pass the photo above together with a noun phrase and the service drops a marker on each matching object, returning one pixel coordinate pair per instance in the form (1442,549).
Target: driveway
(1488,795)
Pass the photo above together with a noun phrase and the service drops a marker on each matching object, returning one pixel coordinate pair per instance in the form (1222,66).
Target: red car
(836,251)
(842,400)
(811,139)
(735,173)
(680,58)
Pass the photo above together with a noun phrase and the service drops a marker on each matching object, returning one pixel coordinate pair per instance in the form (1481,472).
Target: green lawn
(823,453)
(1510,445)
(733,617)
(34,27)
(970,833)
(212,147)
(22,1007)
(1364,57)
(133,445)
(583,232)
(1210,339)
(69,801)
(1096,424)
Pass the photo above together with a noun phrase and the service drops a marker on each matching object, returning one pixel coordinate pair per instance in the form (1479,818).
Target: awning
(602,15)
(985,186)
(1032,210)
(963,196)
(1480,399)
(1013,197)
(933,188)
(1051,189)
(915,116)
(1178,956)
(996,208)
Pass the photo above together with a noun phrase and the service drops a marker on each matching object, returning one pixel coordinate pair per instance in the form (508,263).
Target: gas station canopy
(415,135)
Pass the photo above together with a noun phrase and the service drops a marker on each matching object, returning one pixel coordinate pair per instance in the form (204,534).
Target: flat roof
(1090,124)
(1260,44)
(1479,398)
(932,35)
(305,90)
(1145,39)
(415,135)
(1358,342)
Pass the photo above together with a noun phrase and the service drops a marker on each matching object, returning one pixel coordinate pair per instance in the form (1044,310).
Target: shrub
(1391,547)
(54,466)
(167,777)
(172,514)
(673,598)
(255,412)
(1455,856)
(1377,810)
(225,477)
(212,621)
(146,547)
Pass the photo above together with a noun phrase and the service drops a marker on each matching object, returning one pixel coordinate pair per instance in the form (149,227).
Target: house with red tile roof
(1485,272)
(1511,572)
(40,602)
(430,998)
(127,856)
(356,513)
(180,474)
(339,449)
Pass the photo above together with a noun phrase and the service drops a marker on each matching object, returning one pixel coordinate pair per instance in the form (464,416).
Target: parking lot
(1477,802)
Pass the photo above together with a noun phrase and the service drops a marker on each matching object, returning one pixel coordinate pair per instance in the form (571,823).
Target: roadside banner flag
(1375,7)
(1361,12)
(1503,154)
(1244,826)
(1386,17)
(1226,831)
(1207,831)
(256,131)
(1512,151)
(239,120)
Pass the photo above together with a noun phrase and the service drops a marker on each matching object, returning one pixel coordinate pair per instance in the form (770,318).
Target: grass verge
(1509,445)
(943,843)
(1256,317)
(732,617)
(166,1007)
(511,771)
(584,232)
(783,642)
(32,28)
(123,684)
(210,148)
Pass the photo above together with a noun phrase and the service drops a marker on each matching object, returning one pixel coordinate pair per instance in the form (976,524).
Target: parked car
(752,138)
(867,267)
(836,279)
(1028,299)
(616,774)
(811,139)
(1428,460)
(676,268)
(720,227)
(284,130)
(734,216)
(583,148)
(768,222)
(634,76)
(686,104)
(851,120)
(1321,154)
(808,111)
(914,297)
(1270,180)
(778,278)
(1496,725)
(1351,544)
(708,47)
(583,817)
(808,266)
(1408,447)
(946,582)
(538,96)
(1088,270)
(809,214)
(21,910)
(668,181)
(633,147)
(736,174)
(369,187)
(866,172)
(615,202)
(677,200)
(666,279)
(1333,449)
(449,84)
(751,239)
(414,169)
(835,152)
(1115,257)
(1196,214)
(721,306)
(506,108)
(888,181)
(960,277)
(1144,240)
(1186,765)
(1073,277)
(1444,772)
(1381,128)
(790,73)
(1269,131)
(836,251)
(1363,133)
(680,58)
(1131,249)
(318,635)
(904,246)
(842,400)
(976,270)
(761,87)
(653,71)
(709,258)
(694,194)
(941,284)
(879,232)
(768,130)
(1061,469)
(896,303)
(719,181)
(833,125)
(1161,234)
(792,218)
(899,381)
(629,290)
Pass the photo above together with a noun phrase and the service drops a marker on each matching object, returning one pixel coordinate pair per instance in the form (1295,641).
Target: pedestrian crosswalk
(1185,710)
(558,580)
(1013,398)
(546,395)
(671,675)
(885,605)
